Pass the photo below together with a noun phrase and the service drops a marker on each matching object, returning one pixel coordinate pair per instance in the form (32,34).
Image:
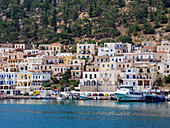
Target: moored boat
(155,98)
(37,97)
(128,93)
(83,98)
(61,97)
(168,98)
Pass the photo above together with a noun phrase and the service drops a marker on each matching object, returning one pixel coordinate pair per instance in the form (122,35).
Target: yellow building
(68,59)
(23,79)
(86,48)
(108,66)
(57,47)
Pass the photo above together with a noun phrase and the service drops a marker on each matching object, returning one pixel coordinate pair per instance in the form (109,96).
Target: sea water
(83,114)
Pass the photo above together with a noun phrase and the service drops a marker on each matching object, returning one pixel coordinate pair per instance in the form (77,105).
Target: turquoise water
(87,114)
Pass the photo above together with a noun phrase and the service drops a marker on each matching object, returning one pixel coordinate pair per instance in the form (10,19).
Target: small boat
(168,98)
(83,98)
(113,98)
(155,98)
(129,93)
(61,97)
(37,97)
(47,97)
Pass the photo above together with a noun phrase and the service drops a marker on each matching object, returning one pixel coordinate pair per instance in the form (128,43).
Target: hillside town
(92,68)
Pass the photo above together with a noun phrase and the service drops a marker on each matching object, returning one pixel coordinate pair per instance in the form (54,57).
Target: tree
(167,79)
(74,48)
(125,38)
(148,29)
(163,19)
(47,84)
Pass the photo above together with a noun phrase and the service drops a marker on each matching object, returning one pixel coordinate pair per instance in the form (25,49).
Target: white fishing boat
(61,97)
(129,93)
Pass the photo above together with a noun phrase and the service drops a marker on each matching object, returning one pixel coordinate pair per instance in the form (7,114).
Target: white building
(31,52)
(89,81)
(6,50)
(110,49)
(117,59)
(7,78)
(39,79)
(129,76)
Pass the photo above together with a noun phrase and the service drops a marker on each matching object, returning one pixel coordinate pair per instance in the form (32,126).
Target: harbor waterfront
(26,113)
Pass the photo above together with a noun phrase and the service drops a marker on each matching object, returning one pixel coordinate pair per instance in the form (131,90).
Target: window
(75,62)
(127,76)
(108,65)
(101,82)
(110,82)
(85,75)
(103,65)
(105,74)
(101,75)
(112,66)
(90,76)
(88,46)
(79,51)
(95,76)
(80,47)
(110,75)
(55,69)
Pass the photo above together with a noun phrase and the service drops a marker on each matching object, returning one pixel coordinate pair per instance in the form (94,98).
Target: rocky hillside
(69,21)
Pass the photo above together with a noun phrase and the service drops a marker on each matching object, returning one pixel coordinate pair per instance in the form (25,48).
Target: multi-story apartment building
(23,79)
(59,69)
(117,59)
(77,67)
(7,78)
(51,59)
(164,47)
(129,76)
(13,58)
(108,66)
(86,51)
(148,46)
(19,46)
(56,47)
(146,75)
(110,49)
(39,79)
(99,59)
(108,80)
(89,81)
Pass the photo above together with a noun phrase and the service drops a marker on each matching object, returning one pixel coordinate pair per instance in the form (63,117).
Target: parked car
(111,94)
(101,94)
(95,94)
(88,94)
(106,94)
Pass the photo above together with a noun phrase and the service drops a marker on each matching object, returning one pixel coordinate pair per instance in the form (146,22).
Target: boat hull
(127,97)
(155,98)
(83,98)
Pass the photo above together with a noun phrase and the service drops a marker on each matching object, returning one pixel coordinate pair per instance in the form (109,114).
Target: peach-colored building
(12,58)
